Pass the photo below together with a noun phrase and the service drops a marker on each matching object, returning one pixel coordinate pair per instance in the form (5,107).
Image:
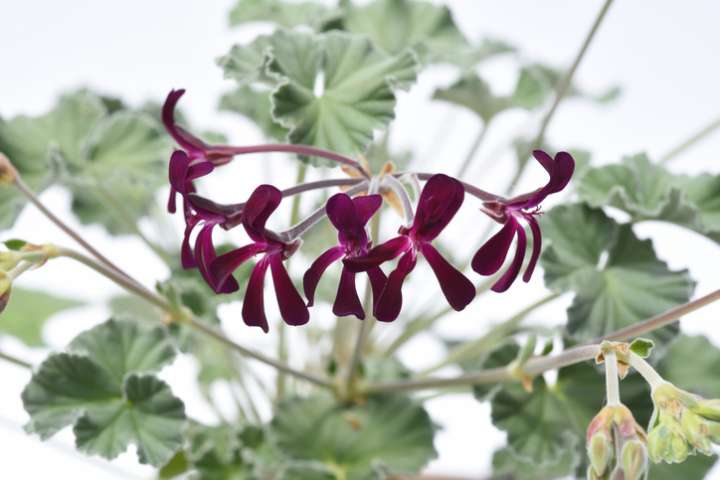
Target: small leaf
(15,244)
(642,347)
(649,192)
(472,92)
(392,431)
(396,25)
(28,311)
(98,388)
(617,278)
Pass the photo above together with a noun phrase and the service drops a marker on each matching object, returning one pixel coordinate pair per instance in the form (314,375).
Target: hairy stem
(562,89)
(690,142)
(538,365)
(15,360)
(30,195)
(648,373)
(155,299)
(473,150)
(612,382)
(367,324)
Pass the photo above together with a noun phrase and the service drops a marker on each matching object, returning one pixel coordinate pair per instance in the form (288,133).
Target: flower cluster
(616,445)
(682,424)
(349,212)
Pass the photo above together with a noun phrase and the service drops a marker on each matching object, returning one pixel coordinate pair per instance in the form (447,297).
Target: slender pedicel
(469,188)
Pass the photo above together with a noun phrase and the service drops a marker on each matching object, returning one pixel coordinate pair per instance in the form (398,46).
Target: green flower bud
(9,260)
(600,452)
(709,409)
(5,288)
(591,475)
(697,431)
(666,442)
(714,432)
(634,460)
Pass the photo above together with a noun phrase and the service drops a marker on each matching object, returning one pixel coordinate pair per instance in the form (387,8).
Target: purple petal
(458,290)
(171,206)
(377,282)
(200,169)
(388,306)
(377,255)
(560,171)
(439,202)
(262,202)
(205,256)
(537,243)
(183,138)
(347,301)
(292,306)
(178,171)
(253,310)
(511,274)
(222,268)
(490,257)
(187,257)
(342,213)
(366,206)
(313,274)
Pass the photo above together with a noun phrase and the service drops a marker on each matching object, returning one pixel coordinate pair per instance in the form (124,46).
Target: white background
(662,53)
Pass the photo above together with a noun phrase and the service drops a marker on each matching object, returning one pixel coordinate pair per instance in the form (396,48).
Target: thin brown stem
(562,89)
(538,365)
(15,361)
(690,142)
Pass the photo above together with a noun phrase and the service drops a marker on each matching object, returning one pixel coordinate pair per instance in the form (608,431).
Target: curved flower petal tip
(490,257)
(264,200)
(439,201)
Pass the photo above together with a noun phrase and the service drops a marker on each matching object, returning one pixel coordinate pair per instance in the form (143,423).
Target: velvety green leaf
(255,105)
(177,466)
(357,89)
(617,278)
(126,162)
(148,415)
(474,93)
(247,63)
(649,192)
(392,431)
(121,347)
(37,146)
(396,25)
(98,388)
(691,363)
(27,312)
(543,425)
(284,14)
(506,462)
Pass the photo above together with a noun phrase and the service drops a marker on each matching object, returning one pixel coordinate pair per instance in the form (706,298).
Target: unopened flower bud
(600,452)
(591,475)
(666,442)
(708,409)
(634,460)
(9,260)
(696,431)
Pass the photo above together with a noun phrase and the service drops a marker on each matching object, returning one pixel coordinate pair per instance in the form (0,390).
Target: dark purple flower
(439,201)
(349,216)
(491,256)
(195,159)
(261,204)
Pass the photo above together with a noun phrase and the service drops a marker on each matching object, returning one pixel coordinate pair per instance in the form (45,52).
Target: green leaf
(649,192)
(255,105)
(281,13)
(15,244)
(507,463)
(28,311)
(99,388)
(38,145)
(332,90)
(396,25)
(642,347)
(392,431)
(472,92)
(543,425)
(357,86)
(148,415)
(126,161)
(617,278)
(691,363)
(696,466)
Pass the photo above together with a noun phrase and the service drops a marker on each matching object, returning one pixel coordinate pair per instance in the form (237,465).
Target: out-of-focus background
(663,54)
